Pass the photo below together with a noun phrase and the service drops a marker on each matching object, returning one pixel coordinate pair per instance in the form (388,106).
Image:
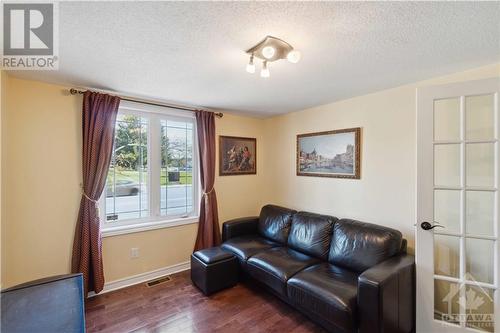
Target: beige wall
(241,195)
(385,194)
(42,173)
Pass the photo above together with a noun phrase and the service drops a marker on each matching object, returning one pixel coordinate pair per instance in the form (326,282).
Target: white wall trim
(146,226)
(143,277)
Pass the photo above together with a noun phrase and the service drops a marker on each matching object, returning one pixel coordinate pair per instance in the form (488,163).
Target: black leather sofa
(346,275)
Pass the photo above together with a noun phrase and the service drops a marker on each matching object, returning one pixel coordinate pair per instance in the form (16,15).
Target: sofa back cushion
(311,234)
(274,222)
(358,245)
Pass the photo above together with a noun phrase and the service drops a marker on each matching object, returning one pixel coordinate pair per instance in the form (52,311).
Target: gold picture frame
(237,156)
(335,154)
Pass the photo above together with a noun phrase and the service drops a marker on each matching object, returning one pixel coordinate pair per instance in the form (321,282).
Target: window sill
(146,226)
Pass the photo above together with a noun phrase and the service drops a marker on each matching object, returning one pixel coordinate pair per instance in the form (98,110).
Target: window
(127,194)
(152,180)
(176,168)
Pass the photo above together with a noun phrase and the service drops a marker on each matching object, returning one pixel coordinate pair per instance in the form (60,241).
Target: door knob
(427,226)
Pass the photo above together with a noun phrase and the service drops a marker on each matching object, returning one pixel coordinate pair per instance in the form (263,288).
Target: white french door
(457,229)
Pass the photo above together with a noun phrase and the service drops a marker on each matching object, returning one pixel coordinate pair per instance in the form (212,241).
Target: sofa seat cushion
(246,246)
(275,266)
(326,291)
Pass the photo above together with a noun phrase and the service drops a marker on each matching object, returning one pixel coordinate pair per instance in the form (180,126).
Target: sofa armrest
(239,227)
(386,296)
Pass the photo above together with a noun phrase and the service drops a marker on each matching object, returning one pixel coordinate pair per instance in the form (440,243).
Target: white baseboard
(143,277)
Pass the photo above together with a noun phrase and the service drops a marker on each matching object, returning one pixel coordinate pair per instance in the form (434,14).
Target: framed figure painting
(237,156)
(330,154)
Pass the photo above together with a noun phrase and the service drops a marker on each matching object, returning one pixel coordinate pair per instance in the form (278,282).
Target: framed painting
(330,154)
(237,156)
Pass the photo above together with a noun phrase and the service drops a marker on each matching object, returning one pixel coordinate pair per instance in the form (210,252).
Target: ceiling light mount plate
(280,47)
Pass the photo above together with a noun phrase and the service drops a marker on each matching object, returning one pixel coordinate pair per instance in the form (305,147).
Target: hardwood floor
(177,306)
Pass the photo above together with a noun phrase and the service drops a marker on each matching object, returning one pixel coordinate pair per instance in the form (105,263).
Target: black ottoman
(213,269)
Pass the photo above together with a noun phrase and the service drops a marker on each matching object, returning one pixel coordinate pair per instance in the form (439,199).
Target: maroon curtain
(208,226)
(99,115)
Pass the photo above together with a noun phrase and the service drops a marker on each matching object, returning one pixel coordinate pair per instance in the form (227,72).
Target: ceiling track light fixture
(271,49)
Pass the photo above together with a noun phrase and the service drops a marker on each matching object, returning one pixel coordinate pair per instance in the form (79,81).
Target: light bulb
(251,66)
(268,52)
(265,71)
(293,56)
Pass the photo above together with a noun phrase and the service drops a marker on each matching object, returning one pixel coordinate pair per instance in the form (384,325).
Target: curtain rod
(74,91)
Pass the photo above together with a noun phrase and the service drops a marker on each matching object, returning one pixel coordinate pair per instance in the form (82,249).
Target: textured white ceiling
(193,52)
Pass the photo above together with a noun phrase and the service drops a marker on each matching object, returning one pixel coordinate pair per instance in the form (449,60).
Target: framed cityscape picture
(237,156)
(330,154)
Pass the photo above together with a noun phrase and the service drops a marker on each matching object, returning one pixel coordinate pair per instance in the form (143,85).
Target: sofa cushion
(327,291)
(358,245)
(274,222)
(311,234)
(246,246)
(275,266)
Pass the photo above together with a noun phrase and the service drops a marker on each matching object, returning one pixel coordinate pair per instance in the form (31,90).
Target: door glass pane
(447,209)
(446,305)
(479,117)
(469,166)
(447,119)
(447,165)
(480,209)
(479,260)
(480,163)
(446,255)
(479,307)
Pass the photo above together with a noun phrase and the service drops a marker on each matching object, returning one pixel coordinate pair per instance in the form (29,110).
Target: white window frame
(155,220)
